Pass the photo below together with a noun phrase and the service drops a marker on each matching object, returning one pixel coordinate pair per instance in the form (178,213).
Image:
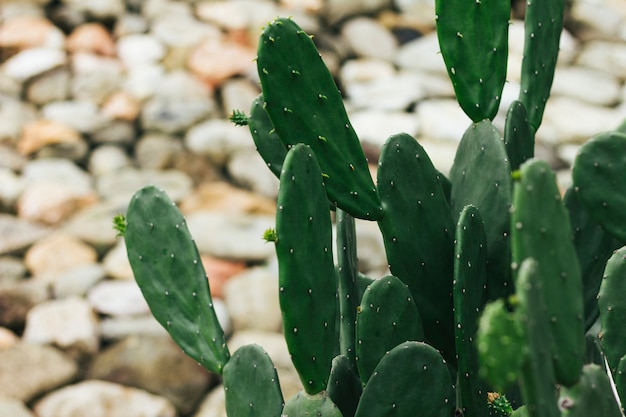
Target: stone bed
(100,97)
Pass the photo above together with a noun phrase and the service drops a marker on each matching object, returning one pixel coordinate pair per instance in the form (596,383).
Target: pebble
(604,56)
(92,397)
(78,281)
(18,298)
(146,362)
(28,370)
(12,270)
(139,49)
(116,264)
(220,196)
(121,105)
(100,9)
(57,253)
(7,338)
(368,38)
(588,85)
(32,62)
(83,116)
(17,234)
(106,159)
(250,171)
(219,272)
(95,77)
(336,10)
(442,120)
(14,408)
(218,140)
(119,327)
(11,186)
(93,224)
(68,323)
(24,32)
(374,127)
(214,61)
(51,202)
(122,184)
(117,298)
(91,38)
(13,115)
(50,86)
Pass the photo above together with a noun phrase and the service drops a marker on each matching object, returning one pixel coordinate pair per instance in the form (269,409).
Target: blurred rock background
(100,97)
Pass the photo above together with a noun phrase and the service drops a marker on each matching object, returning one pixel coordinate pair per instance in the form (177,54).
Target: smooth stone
(95,77)
(13,115)
(214,60)
(130,23)
(143,82)
(218,139)
(140,49)
(567,153)
(237,237)
(29,370)
(597,19)
(238,15)
(442,119)
(123,184)
(12,270)
(56,170)
(371,255)
(11,187)
(57,253)
(117,298)
(213,404)
(591,86)
(17,234)
(91,38)
(94,224)
(83,116)
(24,32)
(604,56)
(222,196)
(32,62)
(252,301)
(68,323)
(421,54)
(18,298)
(11,159)
(9,87)
(106,159)
(367,37)
(397,92)
(7,339)
(146,362)
(441,153)
(182,31)
(119,327)
(98,9)
(92,398)
(568,120)
(121,105)
(365,70)
(153,9)
(250,171)
(116,132)
(238,94)
(48,87)
(11,407)
(220,271)
(116,262)
(375,126)
(157,151)
(78,281)
(52,202)
(56,139)
(336,10)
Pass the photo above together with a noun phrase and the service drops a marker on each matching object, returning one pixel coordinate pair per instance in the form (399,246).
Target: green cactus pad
(501,345)
(594,246)
(473,37)
(519,138)
(599,174)
(543,25)
(387,317)
(267,142)
(307,405)
(592,396)
(469,294)
(308,289)
(537,376)
(347,271)
(344,388)
(418,233)
(167,267)
(305,106)
(481,176)
(541,230)
(251,384)
(612,304)
(411,380)
(620,378)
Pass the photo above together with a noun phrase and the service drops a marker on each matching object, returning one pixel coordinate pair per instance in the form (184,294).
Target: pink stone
(91,38)
(25,32)
(214,61)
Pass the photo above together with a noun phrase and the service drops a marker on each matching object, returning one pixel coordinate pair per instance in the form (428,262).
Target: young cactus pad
(473,37)
(307,279)
(305,106)
(167,267)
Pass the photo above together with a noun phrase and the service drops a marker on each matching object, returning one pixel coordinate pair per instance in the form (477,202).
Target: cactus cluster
(495,278)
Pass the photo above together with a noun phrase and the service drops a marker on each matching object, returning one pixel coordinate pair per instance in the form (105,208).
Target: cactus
(456,309)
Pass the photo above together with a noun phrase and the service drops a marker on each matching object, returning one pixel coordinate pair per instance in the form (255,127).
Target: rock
(143,82)
(106,159)
(121,185)
(118,132)
(52,203)
(441,153)
(116,262)
(11,186)
(13,115)
(422,54)
(220,271)
(69,324)
(117,298)
(218,139)
(588,85)
(238,94)
(442,120)
(252,301)
(182,31)
(56,170)
(53,139)
(368,38)
(83,116)
(89,398)
(93,224)
(57,253)
(237,16)
(250,171)
(95,77)
(146,362)
(14,408)
(27,370)
(17,234)
(25,32)
(213,405)
(372,259)
(98,9)
(121,106)
(18,298)
(157,151)
(32,62)
(336,10)
(604,56)
(237,237)
(120,327)
(422,11)
(91,38)
(597,19)
(12,270)
(11,159)
(130,23)
(375,126)
(214,61)
(48,87)
(221,196)
(78,281)
(139,49)
(7,339)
